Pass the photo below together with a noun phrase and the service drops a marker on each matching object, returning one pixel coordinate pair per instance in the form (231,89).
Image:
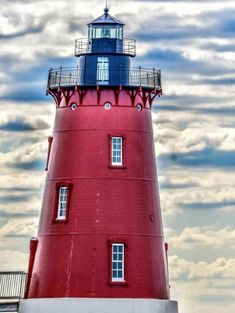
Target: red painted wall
(73,257)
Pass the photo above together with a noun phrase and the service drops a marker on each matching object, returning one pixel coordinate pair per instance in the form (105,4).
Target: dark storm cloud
(14,198)
(218,47)
(20,125)
(30,30)
(17,236)
(194,104)
(25,214)
(177,186)
(219,81)
(222,22)
(169,27)
(35,165)
(18,189)
(207,206)
(208,157)
(10,143)
(16,126)
(174,62)
(26,93)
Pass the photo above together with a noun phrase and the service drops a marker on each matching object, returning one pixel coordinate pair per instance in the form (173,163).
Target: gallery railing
(126,46)
(134,77)
(12,285)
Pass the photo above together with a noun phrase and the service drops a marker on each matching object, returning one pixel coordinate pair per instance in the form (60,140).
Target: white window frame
(62,203)
(118,260)
(117,151)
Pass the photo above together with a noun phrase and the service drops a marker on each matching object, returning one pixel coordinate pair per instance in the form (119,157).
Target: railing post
(154,77)
(77,76)
(49,78)
(21,283)
(140,76)
(160,79)
(60,75)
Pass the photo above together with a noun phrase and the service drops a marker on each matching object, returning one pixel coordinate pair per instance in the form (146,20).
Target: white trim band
(97,305)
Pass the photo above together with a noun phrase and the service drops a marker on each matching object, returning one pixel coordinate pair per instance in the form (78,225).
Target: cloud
(20,125)
(207,157)
(20,226)
(8,263)
(208,236)
(184,269)
(14,198)
(36,165)
(208,205)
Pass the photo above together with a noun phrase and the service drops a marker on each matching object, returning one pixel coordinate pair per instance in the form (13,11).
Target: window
(62,203)
(118,262)
(117,151)
(102,70)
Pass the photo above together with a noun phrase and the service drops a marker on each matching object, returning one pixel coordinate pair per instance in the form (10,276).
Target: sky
(193,43)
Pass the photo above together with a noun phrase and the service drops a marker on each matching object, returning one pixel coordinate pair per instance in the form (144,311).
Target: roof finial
(106,10)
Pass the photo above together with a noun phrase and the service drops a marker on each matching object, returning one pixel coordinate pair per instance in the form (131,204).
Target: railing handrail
(12,272)
(149,70)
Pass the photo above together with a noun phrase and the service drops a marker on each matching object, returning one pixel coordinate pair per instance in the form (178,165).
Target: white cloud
(9,263)
(184,269)
(20,227)
(208,236)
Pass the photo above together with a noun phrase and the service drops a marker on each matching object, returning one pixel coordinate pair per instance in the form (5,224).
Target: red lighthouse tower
(100,245)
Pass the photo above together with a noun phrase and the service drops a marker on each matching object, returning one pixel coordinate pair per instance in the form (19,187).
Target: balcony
(134,77)
(105,45)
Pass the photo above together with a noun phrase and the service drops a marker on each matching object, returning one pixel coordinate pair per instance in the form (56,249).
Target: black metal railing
(126,46)
(12,285)
(134,77)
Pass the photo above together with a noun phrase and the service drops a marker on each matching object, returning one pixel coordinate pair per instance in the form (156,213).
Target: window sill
(118,283)
(57,220)
(117,167)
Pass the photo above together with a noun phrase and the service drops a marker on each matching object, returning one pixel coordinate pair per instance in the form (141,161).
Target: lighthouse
(100,245)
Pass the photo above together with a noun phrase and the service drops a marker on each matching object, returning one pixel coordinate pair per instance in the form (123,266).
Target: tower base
(95,305)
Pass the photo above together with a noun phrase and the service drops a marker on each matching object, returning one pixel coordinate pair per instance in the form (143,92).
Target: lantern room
(105,26)
(105,35)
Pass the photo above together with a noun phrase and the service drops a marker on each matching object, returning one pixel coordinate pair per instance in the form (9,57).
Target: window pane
(120,257)
(120,266)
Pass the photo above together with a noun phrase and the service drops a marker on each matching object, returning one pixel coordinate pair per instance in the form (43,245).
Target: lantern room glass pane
(106,31)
